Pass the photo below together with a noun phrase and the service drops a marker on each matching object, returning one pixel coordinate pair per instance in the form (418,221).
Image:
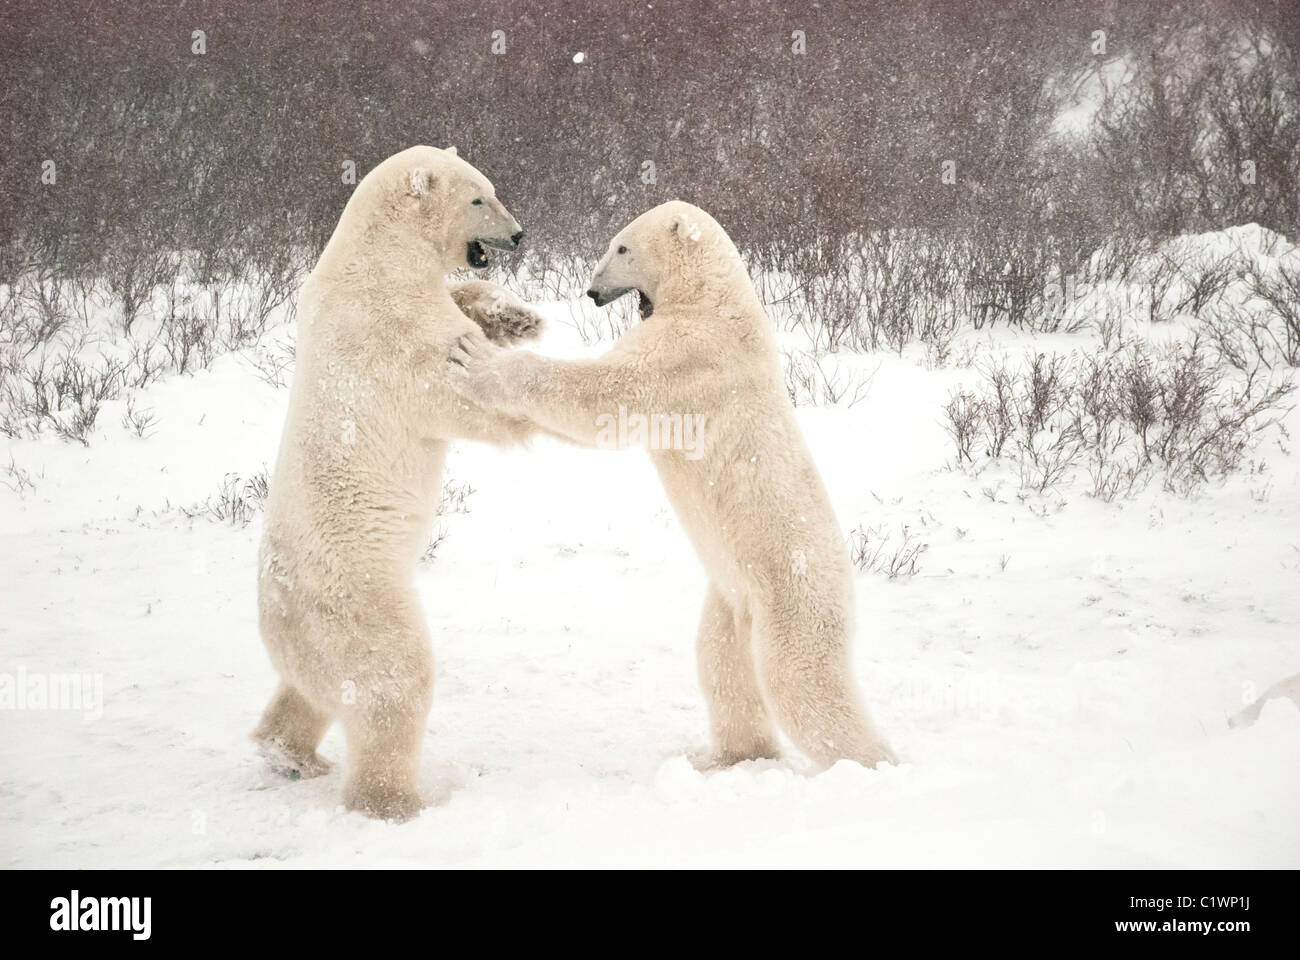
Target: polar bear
(356,481)
(774,636)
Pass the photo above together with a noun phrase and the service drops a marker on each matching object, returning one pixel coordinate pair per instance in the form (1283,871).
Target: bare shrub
(1006,281)
(809,384)
(1206,424)
(1110,473)
(274,362)
(1110,325)
(1158,282)
(454,497)
(1045,392)
(237,502)
(883,291)
(964,413)
(1279,293)
(1126,414)
(826,300)
(18,479)
(37,307)
(1204,283)
(1242,337)
(59,362)
(889,275)
(873,551)
(132,269)
(1047,456)
(1118,257)
(999,408)
(137,421)
(938,340)
(604,325)
(68,394)
(436,540)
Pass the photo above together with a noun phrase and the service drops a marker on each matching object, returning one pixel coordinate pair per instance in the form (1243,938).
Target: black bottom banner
(1160,909)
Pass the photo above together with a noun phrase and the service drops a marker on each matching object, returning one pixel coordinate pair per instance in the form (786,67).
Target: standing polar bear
(357,478)
(775,634)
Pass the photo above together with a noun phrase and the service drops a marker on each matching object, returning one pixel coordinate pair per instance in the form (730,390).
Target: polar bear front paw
(508,324)
(512,325)
(477,373)
(503,317)
(472,350)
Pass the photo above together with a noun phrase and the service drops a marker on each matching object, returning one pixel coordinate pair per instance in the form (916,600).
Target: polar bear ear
(451,150)
(421,183)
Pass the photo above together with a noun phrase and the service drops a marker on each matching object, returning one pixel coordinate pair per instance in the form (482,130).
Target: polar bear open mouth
(476,250)
(644,304)
(475,255)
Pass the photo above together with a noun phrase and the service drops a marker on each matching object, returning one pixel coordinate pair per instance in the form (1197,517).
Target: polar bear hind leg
(738,716)
(385,725)
(384,754)
(804,668)
(289,733)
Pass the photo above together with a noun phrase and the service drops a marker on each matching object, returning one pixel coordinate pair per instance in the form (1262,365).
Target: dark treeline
(237,153)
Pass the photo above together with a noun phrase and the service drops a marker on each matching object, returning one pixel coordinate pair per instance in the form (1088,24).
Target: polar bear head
(431,202)
(667,254)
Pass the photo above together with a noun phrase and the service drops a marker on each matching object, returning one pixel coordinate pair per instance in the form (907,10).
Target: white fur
(359,470)
(778,617)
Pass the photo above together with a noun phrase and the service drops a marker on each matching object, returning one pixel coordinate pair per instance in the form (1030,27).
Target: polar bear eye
(622,249)
(477,202)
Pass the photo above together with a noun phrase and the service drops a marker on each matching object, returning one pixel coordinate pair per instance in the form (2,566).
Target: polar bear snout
(510,242)
(494,228)
(644,304)
(497,227)
(602,293)
(506,238)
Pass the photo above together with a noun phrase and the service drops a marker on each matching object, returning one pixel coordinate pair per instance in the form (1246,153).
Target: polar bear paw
(503,317)
(714,759)
(479,371)
(291,765)
(382,803)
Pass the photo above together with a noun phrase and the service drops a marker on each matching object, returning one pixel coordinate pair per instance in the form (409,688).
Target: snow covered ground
(1056,677)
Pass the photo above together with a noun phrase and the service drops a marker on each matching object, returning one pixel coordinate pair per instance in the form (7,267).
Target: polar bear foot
(287,737)
(715,758)
(292,765)
(871,756)
(730,758)
(851,742)
(382,803)
(727,756)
